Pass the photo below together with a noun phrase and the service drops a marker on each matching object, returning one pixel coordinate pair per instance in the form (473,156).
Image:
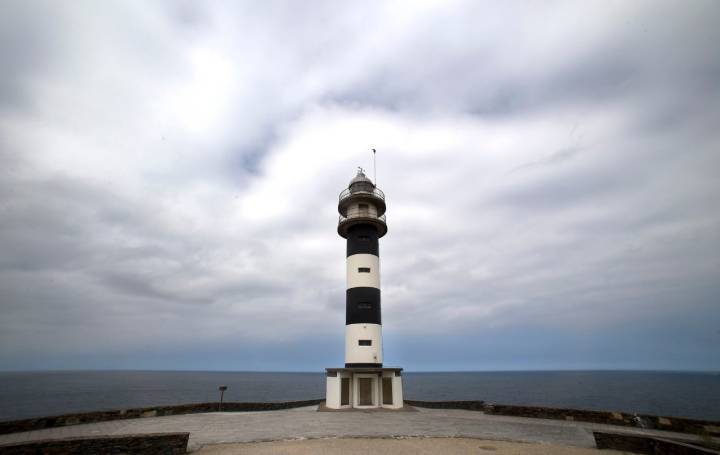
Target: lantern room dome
(360,178)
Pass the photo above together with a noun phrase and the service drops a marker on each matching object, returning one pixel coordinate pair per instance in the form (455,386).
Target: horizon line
(549,370)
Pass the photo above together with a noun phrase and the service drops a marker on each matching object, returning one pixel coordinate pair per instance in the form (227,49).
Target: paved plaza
(396,446)
(307,423)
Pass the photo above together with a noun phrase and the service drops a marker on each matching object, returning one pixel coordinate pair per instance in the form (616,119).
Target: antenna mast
(374,169)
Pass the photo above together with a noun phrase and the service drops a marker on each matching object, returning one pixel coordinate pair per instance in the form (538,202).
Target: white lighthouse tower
(363,382)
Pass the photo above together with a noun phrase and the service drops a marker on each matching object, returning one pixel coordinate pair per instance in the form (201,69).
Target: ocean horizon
(559,370)
(691,394)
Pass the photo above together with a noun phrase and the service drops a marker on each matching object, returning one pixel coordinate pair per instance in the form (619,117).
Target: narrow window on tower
(364,306)
(363,237)
(363,269)
(365,342)
(362,206)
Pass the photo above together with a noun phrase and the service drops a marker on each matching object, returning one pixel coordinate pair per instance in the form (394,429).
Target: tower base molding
(364,387)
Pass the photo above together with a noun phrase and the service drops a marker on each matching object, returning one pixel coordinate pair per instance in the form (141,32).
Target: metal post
(374,169)
(222,390)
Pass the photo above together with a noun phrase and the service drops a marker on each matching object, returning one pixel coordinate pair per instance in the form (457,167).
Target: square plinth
(364,388)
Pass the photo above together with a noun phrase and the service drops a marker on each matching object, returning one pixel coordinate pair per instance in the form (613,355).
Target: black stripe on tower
(362,306)
(362,239)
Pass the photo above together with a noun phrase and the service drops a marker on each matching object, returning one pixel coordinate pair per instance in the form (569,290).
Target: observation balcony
(354,217)
(361,192)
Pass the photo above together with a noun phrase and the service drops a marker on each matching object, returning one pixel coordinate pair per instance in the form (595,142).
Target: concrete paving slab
(307,423)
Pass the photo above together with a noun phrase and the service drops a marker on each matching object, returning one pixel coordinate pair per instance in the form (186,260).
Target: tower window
(363,269)
(363,206)
(364,306)
(364,342)
(363,237)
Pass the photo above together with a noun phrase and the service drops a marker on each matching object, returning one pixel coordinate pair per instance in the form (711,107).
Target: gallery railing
(347,192)
(361,214)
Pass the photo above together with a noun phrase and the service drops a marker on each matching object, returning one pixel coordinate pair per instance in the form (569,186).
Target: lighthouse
(363,382)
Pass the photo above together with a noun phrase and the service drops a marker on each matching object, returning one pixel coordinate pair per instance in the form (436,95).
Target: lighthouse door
(365,389)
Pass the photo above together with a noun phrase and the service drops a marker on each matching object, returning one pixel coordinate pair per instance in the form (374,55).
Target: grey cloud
(556,157)
(563,190)
(25,31)
(140,286)
(640,55)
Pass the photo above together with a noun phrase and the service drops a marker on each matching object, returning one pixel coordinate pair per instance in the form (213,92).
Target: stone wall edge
(146,443)
(39,423)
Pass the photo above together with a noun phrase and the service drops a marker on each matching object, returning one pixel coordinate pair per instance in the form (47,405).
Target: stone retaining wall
(148,444)
(649,445)
(467,405)
(677,424)
(16,426)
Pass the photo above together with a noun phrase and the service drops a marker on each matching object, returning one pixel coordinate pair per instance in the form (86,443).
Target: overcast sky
(169,174)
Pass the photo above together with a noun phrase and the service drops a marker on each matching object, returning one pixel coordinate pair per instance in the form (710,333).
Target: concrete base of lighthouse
(364,388)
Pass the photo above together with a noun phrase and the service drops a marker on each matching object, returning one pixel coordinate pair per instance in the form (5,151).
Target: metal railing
(347,192)
(361,214)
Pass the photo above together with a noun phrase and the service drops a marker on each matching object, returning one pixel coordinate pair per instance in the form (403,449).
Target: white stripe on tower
(359,279)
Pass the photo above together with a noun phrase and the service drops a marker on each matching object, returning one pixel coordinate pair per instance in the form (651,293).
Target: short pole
(222,390)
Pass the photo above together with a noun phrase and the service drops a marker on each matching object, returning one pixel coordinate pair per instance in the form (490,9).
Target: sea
(679,394)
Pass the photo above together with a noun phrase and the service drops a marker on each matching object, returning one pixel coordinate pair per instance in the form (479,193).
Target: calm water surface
(32,394)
